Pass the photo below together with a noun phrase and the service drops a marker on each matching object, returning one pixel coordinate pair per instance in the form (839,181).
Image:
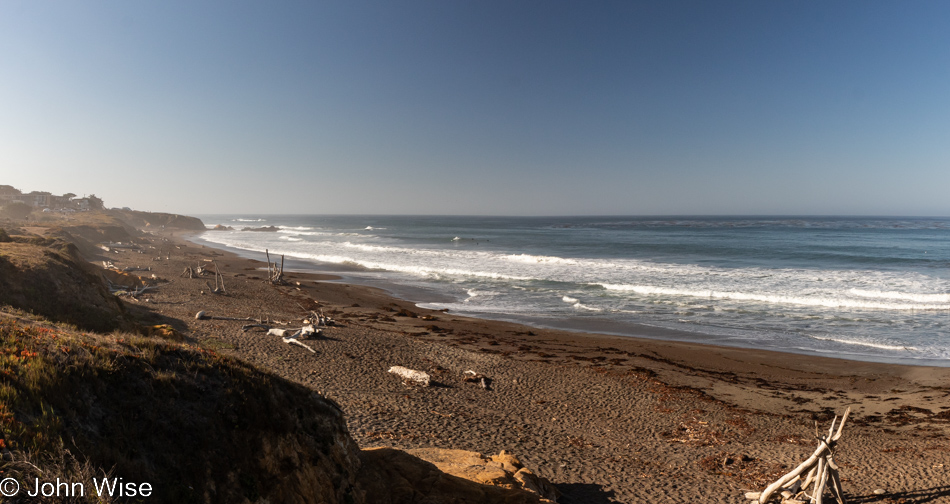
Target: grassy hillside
(196,426)
(48,277)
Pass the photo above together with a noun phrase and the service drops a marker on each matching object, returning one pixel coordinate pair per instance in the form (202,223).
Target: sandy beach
(606,419)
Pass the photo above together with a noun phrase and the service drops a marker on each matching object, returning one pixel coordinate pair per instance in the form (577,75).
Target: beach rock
(493,476)
(502,470)
(391,476)
(222,227)
(266,229)
(508,461)
(534,483)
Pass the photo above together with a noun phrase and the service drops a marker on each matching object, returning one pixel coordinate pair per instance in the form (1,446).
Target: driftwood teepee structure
(820,470)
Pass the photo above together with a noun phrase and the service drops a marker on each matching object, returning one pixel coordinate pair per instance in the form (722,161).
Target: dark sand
(606,419)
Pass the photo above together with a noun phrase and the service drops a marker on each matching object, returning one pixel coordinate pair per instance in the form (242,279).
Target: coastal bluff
(205,409)
(95,387)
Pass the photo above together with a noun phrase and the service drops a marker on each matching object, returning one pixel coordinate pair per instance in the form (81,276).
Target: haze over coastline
(536,251)
(531,108)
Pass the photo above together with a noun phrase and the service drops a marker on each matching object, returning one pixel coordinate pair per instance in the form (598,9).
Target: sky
(481,107)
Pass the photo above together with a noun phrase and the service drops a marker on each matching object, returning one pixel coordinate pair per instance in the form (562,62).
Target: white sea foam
(877,309)
(413,269)
(820,301)
(301,232)
(529,259)
(474,293)
(903,296)
(581,306)
(869,344)
(778,287)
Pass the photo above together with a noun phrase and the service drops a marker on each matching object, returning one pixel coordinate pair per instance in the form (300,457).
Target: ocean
(875,289)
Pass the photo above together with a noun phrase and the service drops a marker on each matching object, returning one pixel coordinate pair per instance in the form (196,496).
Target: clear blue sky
(481,107)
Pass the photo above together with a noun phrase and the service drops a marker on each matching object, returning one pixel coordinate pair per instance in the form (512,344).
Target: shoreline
(635,330)
(605,418)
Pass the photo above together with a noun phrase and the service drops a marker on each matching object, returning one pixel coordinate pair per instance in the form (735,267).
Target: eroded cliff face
(49,278)
(158,220)
(197,426)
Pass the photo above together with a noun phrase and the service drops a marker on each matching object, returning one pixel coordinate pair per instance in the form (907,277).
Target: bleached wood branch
(419,377)
(295,341)
(821,468)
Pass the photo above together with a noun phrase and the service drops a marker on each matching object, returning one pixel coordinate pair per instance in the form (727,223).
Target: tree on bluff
(95,203)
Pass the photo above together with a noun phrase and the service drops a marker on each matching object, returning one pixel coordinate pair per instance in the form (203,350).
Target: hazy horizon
(528,108)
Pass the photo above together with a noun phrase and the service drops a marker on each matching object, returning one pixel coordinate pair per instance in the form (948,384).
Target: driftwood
(274,274)
(294,339)
(197,271)
(129,291)
(204,316)
(305,332)
(217,276)
(318,320)
(419,377)
(473,377)
(820,470)
(120,245)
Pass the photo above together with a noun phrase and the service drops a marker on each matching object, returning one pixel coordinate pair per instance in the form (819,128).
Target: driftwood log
(318,320)
(204,316)
(295,341)
(129,291)
(820,470)
(419,377)
(305,332)
(274,274)
(473,377)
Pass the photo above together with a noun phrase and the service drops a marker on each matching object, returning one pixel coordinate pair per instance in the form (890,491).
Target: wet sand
(606,419)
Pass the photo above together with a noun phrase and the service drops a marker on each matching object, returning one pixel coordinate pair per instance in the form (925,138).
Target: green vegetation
(78,405)
(48,277)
